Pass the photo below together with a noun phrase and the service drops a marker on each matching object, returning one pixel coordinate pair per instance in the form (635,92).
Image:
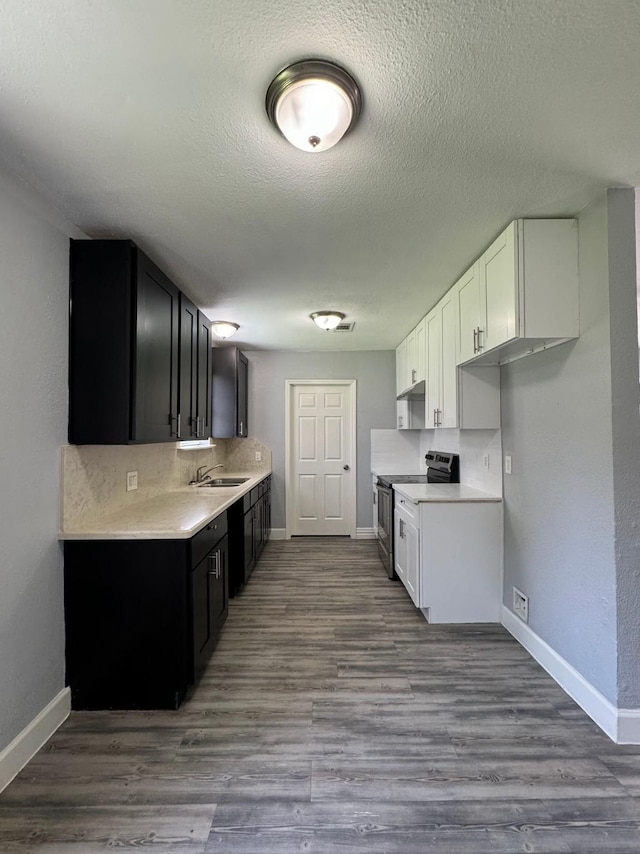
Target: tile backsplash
(94,477)
(402,452)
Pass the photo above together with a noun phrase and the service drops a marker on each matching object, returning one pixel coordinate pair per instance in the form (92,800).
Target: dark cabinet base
(249,530)
(129,620)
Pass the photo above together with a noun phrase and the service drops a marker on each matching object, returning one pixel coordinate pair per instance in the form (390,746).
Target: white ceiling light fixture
(327,320)
(223,328)
(314,103)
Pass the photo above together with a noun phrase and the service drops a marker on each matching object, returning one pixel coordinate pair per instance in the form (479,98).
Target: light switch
(507,463)
(132,480)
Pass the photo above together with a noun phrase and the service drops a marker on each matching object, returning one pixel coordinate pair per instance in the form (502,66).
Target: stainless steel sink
(224,481)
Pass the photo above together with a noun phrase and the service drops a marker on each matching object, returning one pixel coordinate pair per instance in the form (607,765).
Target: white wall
(559,501)
(374,371)
(34,277)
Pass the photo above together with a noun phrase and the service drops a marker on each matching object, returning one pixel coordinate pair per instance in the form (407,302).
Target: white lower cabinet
(448,555)
(461,561)
(406,546)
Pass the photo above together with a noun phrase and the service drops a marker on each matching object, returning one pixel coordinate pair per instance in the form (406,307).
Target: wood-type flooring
(332,718)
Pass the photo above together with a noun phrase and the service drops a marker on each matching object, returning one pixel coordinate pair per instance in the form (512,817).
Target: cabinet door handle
(197,426)
(241,431)
(402,529)
(400,421)
(475,340)
(435,417)
(175,418)
(480,346)
(214,559)
(413,375)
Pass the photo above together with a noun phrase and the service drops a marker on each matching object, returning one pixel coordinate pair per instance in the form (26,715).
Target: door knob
(346,468)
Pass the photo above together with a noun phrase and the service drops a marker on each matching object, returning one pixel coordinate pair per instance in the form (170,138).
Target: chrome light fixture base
(313,104)
(327,320)
(224,328)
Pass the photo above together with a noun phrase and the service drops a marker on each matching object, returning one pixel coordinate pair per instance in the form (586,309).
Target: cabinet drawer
(250,499)
(207,538)
(405,507)
(264,486)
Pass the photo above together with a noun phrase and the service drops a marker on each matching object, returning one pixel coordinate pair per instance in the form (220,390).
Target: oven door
(385,528)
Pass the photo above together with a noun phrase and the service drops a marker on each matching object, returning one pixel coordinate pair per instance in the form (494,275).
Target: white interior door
(321,494)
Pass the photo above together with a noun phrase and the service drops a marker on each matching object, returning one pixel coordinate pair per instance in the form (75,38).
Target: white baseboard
(361,534)
(27,743)
(365,533)
(628,726)
(621,725)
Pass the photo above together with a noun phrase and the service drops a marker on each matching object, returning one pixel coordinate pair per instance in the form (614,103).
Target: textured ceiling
(146,120)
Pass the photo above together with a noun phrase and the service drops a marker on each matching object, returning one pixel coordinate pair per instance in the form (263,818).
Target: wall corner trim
(365,533)
(621,725)
(28,742)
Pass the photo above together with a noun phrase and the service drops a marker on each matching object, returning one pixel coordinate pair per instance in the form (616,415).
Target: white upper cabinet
(434,365)
(449,369)
(528,293)
(421,350)
(401,367)
(498,292)
(441,389)
(467,398)
(411,359)
(468,317)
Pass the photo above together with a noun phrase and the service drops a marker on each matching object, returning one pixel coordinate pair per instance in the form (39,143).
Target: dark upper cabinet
(188,407)
(203,413)
(194,415)
(137,367)
(230,393)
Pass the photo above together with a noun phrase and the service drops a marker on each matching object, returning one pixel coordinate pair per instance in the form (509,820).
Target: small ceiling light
(327,319)
(224,329)
(313,104)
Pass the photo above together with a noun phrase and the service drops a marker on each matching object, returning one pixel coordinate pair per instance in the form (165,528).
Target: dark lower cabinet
(142,617)
(209,602)
(249,530)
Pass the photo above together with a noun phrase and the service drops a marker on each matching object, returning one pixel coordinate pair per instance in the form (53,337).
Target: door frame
(288,447)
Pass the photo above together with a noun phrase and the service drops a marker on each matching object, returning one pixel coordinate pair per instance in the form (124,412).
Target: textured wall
(625,398)
(33,422)
(374,372)
(559,507)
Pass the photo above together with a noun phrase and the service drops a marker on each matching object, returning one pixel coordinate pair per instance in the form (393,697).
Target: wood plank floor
(332,718)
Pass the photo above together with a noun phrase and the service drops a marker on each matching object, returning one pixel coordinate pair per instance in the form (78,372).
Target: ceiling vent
(344,327)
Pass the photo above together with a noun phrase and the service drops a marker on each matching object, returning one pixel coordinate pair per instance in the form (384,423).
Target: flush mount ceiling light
(224,329)
(313,104)
(327,320)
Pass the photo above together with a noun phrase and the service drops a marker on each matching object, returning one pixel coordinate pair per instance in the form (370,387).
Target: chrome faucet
(203,476)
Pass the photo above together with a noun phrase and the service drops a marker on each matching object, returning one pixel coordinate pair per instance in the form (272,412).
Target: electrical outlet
(485,462)
(132,480)
(507,463)
(258,456)
(520,605)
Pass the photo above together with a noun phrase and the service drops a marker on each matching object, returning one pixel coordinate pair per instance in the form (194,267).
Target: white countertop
(177,514)
(449,492)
